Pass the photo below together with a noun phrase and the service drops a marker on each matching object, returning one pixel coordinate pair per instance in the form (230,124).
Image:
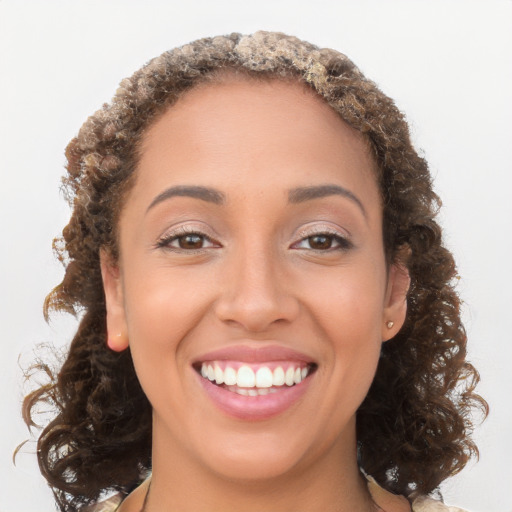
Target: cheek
(351,302)
(348,310)
(162,307)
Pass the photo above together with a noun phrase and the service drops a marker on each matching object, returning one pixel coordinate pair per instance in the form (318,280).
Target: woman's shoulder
(109,505)
(385,500)
(426,504)
(388,502)
(134,501)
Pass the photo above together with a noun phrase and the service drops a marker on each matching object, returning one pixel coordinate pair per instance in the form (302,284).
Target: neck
(331,484)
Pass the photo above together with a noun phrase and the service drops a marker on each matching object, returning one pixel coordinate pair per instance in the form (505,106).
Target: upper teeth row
(245,377)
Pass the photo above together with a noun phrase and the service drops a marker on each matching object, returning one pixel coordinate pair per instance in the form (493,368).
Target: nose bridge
(258,274)
(254,294)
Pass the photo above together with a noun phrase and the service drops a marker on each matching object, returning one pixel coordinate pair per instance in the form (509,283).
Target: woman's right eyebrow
(208,194)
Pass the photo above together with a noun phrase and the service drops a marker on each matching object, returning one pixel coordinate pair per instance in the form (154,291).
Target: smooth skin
(253,262)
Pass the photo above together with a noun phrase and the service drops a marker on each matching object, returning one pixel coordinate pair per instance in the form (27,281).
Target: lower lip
(253,408)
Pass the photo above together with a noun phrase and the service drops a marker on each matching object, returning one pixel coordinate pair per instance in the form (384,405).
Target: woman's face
(251,251)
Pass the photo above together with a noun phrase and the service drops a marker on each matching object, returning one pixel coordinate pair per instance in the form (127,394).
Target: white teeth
(229,376)
(278,377)
(289,376)
(252,391)
(219,375)
(264,378)
(245,377)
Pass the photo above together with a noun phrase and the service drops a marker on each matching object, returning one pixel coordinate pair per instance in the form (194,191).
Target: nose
(256,295)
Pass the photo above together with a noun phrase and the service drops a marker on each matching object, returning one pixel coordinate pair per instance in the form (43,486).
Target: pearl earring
(390,324)
(117,343)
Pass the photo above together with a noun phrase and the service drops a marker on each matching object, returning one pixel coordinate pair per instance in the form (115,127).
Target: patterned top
(386,501)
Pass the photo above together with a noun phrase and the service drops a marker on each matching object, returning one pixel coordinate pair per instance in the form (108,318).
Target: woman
(267,309)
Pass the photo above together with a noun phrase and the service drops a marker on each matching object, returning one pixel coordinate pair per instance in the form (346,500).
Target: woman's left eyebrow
(207,194)
(301,194)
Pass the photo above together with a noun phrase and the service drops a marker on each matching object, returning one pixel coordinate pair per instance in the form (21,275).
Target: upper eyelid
(301,233)
(172,234)
(317,229)
(344,238)
(186,229)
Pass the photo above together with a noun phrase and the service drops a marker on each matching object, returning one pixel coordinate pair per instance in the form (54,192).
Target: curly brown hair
(413,428)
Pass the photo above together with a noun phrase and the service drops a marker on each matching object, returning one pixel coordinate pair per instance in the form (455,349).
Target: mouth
(254,384)
(254,379)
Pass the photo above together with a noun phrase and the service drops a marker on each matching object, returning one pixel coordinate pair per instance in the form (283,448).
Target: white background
(447,64)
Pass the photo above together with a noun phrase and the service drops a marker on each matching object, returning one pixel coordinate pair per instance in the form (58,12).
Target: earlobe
(117,334)
(395,309)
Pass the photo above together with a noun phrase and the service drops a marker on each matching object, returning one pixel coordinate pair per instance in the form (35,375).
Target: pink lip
(248,354)
(254,408)
(260,407)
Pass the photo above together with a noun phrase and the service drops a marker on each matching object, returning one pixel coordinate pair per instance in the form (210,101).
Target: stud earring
(117,343)
(390,324)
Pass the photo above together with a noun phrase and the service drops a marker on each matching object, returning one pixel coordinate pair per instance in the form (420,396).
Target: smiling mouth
(255,379)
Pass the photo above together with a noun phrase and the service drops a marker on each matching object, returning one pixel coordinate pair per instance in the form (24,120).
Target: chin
(259,454)
(255,466)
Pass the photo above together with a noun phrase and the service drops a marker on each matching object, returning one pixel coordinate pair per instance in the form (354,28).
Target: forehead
(238,130)
(232,99)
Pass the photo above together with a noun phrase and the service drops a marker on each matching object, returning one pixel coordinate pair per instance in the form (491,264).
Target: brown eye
(186,242)
(326,242)
(191,241)
(320,242)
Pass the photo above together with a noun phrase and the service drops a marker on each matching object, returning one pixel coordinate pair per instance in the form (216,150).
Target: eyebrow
(207,194)
(302,194)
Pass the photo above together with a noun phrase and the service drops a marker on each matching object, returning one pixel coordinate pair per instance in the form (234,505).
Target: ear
(117,334)
(395,307)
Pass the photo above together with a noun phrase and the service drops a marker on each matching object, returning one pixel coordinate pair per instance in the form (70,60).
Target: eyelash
(343,244)
(166,241)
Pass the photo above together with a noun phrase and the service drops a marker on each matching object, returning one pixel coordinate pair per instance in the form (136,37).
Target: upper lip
(250,354)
